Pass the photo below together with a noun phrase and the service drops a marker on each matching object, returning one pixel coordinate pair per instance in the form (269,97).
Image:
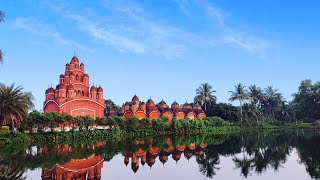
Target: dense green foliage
(225,111)
(257,106)
(306,102)
(48,122)
(15,104)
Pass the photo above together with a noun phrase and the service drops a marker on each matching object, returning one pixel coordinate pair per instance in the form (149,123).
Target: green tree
(32,119)
(239,94)
(14,103)
(87,121)
(111,106)
(204,95)
(225,111)
(306,102)
(255,95)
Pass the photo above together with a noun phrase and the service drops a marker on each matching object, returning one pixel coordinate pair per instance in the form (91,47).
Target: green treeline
(258,107)
(37,121)
(264,105)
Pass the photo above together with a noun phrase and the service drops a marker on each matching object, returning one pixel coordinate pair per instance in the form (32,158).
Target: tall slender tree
(239,94)
(14,103)
(204,95)
(256,95)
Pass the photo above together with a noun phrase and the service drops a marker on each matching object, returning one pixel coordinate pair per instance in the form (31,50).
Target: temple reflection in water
(87,168)
(150,156)
(213,156)
(91,166)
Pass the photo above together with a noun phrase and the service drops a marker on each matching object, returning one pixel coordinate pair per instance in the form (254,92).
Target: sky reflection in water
(254,155)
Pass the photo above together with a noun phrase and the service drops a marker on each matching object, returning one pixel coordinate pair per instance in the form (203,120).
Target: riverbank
(116,134)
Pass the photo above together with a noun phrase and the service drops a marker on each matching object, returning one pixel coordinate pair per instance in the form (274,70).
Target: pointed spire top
(74,53)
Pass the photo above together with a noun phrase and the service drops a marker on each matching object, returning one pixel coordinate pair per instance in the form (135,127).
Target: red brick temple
(73,96)
(153,111)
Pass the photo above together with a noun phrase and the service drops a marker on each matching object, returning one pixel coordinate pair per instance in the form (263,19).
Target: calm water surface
(293,154)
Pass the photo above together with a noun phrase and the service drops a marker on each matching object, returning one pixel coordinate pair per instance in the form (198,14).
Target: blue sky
(161,49)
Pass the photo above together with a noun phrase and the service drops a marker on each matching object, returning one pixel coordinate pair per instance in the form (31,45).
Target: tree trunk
(205,105)
(1,122)
(240,110)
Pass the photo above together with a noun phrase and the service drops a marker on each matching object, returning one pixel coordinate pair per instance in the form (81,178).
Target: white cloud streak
(137,33)
(38,28)
(234,38)
(128,27)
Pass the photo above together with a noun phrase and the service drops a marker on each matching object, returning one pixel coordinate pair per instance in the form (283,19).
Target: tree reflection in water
(251,152)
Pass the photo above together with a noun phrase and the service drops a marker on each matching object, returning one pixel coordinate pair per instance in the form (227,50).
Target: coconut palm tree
(1,20)
(14,103)
(204,95)
(273,99)
(239,94)
(255,94)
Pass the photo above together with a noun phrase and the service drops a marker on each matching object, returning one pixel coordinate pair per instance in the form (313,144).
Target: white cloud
(131,30)
(128,27)
(231,36)
(36,27)
(183,6)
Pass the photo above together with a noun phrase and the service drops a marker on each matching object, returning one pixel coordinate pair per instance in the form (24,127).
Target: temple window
(82,93)
(77,77)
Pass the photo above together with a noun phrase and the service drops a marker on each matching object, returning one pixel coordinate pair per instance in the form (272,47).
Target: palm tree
(204,95)
(273,99)
(1,20)
(239,94)
(255,94)
(14,103)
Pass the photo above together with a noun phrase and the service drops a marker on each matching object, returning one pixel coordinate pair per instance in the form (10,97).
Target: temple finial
(74,53)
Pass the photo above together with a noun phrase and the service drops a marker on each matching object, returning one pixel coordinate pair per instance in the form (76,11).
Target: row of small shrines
(91,167)
(152,111)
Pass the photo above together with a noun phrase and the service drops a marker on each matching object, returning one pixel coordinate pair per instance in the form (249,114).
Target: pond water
(292,154)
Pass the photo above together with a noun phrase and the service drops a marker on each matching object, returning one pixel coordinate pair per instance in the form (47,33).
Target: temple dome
(50,90)
(74,60)
(67,64)
(175,105)
(186,106)
(81,64)
(162,103)
(86,75)
(93,88)
(197,106)
(58,87)
(150,103)
(99,89)
(61,76)
(63,86)
(135,98)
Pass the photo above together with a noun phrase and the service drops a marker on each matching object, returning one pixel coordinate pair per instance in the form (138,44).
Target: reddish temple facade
(73,96)
(153,111)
